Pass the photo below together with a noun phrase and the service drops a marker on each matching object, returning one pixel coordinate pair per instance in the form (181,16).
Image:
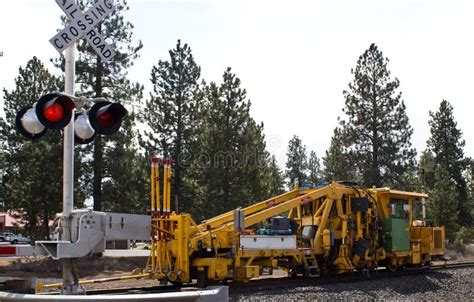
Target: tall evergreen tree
(171,114)
(32,171)
(314,169)
(108,79)
(377,126)
(275,178)
(337,161)
(471,185)
(296,162)
(232,156)
(2,172)
(125,192)
(254,163)
(426,169)
(442,205)
(447,145)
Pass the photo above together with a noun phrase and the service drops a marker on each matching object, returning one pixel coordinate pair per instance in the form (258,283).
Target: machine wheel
(292,272)
(202,278)
(367,272)
(177,284)
(393,267)
(15,241)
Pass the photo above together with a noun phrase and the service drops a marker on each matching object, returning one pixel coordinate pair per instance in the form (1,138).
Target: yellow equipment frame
(345,239)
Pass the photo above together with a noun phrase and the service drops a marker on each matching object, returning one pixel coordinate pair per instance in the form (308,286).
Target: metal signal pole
(66,39)
(70,277)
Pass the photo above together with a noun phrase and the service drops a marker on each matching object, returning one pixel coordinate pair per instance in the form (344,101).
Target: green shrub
(464,236)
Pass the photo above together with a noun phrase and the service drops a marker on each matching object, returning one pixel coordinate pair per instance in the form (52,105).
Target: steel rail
(266,284)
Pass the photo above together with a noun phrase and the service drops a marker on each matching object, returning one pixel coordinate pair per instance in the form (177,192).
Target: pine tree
(426,169)
(377,126)
(108,79)
(171,115)
(229,170)
(442,205)
(275,178)
(471,186)
(337,161)
(314,169)
(254,163)
(2,172)
(32,170)
(126,192)
(296,162)
(447,145)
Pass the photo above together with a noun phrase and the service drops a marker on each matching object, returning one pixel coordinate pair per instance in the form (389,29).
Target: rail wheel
(292,272)
(201,277)
(392,267)
(177,284)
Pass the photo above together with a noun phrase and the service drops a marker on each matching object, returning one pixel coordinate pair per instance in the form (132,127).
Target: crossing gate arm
(21,250)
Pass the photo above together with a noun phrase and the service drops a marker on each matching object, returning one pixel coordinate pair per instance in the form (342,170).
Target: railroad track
(454,265)
(288,282)
(264,284)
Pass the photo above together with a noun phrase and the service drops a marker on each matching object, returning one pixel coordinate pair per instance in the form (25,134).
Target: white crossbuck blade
(82,25)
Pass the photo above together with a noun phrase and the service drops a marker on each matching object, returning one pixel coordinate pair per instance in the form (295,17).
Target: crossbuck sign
(82,25)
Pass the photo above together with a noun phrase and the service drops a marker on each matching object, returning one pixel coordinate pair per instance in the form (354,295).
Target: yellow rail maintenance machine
(336,229)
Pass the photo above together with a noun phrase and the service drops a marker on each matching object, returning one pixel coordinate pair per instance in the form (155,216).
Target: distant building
(8,223)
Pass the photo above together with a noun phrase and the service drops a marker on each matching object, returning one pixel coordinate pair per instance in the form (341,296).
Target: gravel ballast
(444,285)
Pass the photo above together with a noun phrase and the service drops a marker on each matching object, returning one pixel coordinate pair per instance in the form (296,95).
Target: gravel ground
(446,285)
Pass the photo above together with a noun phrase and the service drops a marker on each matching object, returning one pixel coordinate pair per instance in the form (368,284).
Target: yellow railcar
(337,228)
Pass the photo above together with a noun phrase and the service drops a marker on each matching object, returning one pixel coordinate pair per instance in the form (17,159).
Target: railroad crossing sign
(82,25)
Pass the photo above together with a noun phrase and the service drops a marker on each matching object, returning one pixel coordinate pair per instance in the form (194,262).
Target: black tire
(15,241)
(1,239)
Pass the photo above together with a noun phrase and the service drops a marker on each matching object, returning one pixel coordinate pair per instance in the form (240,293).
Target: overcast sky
(293,57)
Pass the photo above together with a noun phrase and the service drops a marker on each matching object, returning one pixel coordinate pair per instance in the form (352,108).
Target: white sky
(293,57)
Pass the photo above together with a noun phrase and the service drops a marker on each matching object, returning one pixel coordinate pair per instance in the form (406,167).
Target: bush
(464,236)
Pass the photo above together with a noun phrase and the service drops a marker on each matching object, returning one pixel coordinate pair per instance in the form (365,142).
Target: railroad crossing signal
(104,119)
(82,25)
(54,111)
(51,111)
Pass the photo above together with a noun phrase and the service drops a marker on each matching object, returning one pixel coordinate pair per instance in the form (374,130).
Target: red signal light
(106,117)
(105,120)
(54,113)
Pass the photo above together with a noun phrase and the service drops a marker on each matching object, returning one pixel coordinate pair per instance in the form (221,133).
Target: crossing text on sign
(81,25)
